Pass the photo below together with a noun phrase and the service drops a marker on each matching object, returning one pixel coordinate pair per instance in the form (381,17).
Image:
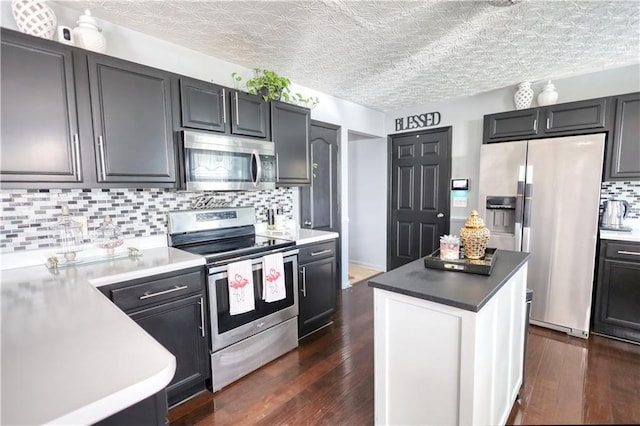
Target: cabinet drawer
(155,291)
(623,251)
(316,251)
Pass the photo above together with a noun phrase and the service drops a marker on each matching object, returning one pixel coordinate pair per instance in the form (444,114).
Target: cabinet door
(132,122)
(510,125)
(589,114)
(203,105)
(180,327)
(623,154)
(317,295)
(39,141)
(250,115)
(290,133)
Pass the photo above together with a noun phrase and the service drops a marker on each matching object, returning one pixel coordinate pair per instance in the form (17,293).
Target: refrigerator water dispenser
(501,214)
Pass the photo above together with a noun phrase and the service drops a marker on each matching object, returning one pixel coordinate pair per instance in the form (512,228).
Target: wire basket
(34,17)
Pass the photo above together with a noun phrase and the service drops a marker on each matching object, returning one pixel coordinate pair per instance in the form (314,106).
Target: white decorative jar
(548,96)
(34,17)
(87,35)
(524,96)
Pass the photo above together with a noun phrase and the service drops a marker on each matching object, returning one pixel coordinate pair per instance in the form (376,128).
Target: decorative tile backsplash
(628,191)
(27,215)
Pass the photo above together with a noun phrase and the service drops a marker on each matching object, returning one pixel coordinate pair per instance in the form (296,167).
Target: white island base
(437,364)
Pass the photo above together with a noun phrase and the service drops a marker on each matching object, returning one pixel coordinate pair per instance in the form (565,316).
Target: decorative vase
(34,17)
(474,237)
(548,96)
(87,34)
(524,96)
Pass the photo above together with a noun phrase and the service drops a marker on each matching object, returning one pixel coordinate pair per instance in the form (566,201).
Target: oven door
(228,329)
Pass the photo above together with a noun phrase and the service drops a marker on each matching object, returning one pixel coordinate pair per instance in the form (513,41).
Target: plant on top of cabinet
(274,87)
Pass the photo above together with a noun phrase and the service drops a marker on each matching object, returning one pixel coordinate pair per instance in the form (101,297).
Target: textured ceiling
(394,54)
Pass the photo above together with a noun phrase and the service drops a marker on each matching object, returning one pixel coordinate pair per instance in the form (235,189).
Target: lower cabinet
(151,411)
(171,308)
(317,286)
(617,295)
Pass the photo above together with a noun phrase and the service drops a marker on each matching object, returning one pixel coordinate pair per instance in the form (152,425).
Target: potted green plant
(272,86)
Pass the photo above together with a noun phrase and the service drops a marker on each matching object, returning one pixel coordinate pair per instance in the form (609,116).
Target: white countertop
(300,235)
(634,235)
(69,355)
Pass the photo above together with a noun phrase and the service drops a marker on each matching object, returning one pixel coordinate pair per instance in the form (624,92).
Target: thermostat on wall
(459,184)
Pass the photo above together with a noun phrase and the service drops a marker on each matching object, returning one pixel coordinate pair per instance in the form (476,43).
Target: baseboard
(368,265)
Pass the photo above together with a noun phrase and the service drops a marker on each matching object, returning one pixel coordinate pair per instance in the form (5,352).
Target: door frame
(447,210)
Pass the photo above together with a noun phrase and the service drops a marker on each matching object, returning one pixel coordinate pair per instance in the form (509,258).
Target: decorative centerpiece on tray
(109,236)
(474,236)
(68,234)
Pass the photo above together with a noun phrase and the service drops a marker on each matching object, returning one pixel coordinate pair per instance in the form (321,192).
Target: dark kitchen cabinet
(249,115)
(617,292)
(171,308)
(290,132)
(568,119)
(132,126)
(203,105)
(317,285)
(573,116)
(623,153)
(39,133)
(514,124)
(151,411)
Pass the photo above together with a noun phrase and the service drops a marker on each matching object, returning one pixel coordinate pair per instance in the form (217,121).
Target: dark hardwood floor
(329,379)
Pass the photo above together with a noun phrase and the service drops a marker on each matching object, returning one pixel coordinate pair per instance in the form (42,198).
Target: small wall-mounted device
(459,184)
(65,35)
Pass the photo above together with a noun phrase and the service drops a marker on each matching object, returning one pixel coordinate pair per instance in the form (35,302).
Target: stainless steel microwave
(227,163)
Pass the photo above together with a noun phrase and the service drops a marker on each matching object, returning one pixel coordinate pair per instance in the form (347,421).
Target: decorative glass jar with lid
(68,234)
(109,236)
(474,236)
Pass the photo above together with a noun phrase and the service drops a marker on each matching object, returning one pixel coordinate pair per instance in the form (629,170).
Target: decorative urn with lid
(474,236)
(88,35)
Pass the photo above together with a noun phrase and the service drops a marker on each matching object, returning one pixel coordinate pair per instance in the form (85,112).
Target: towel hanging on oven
(273,288)
(240,280)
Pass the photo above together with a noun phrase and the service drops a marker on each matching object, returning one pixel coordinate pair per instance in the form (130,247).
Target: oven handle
(223,263)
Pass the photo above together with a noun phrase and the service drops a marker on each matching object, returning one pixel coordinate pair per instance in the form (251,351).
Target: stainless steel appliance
(542,196)
(613,216)
(239,343)
(227,163)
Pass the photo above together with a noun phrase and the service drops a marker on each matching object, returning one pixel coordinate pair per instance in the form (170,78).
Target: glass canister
(109,236)
(474,236)
(449,247)
(69,234)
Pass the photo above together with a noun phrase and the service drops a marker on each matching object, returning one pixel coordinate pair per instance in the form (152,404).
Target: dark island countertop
(458,289)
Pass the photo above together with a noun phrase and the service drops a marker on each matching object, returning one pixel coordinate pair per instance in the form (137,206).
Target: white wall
(465,115)
(137,47)
(368,202)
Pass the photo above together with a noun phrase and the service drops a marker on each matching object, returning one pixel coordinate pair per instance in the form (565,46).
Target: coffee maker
(613,215)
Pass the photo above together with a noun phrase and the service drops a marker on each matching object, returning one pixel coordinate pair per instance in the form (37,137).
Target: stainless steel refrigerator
(542,196)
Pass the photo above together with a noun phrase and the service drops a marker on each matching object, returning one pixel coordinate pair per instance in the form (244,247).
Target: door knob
(440,215)
(307,223)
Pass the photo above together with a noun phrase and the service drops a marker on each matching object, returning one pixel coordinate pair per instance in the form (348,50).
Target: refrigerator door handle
(528,199)
(519,208)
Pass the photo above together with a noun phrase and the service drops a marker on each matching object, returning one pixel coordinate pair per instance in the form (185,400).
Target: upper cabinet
(40,139)
(133,131)
(567,119)
(290,132)
(623,153)
(250,115)
(203,105)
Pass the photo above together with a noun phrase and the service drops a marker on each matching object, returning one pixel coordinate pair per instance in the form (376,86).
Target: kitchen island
(449,346)
(69,355)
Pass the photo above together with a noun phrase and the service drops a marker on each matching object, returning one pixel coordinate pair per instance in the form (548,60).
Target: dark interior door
(420,172)
(319,203)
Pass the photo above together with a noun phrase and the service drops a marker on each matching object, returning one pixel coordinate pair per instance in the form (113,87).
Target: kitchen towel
(240,279)
(273,288)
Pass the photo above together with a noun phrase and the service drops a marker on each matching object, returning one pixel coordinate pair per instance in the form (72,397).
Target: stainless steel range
(243,342)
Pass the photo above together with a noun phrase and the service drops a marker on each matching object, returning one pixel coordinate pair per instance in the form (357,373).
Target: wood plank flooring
(329,379)
(359,273)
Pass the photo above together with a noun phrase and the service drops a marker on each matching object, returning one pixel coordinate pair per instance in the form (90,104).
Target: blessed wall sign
(427,119)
